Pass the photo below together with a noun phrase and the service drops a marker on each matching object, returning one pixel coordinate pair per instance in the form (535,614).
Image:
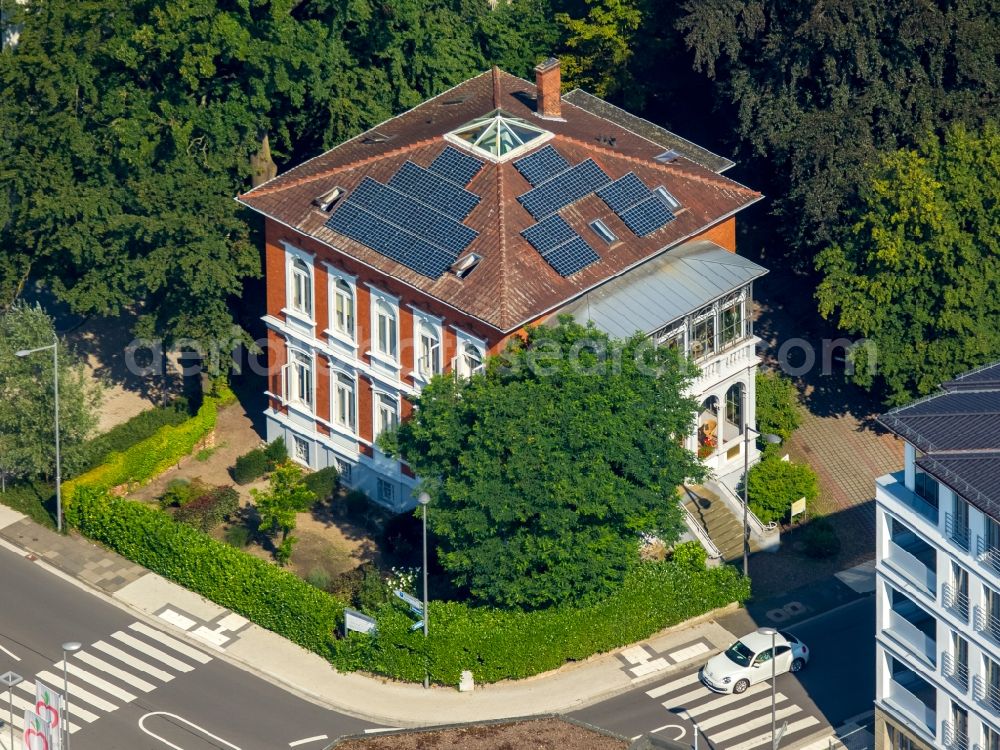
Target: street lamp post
(11,680)
(54,346)
(424,499)
(67,648)
(774,673)
(767,438)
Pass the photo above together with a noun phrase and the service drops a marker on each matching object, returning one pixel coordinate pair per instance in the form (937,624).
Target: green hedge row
(500,644)
(273,598)
(155,454)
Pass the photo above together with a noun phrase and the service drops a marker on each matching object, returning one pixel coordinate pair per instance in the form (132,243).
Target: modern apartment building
(938,572)
(421,246)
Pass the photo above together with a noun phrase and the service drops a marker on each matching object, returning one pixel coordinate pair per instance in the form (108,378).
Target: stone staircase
(721,524)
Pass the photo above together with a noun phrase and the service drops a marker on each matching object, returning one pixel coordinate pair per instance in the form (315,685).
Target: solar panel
(624,193)
(549,233)
(542,165)
(434,190)
(646,217)
(564,189)
(453,165)
(571,256)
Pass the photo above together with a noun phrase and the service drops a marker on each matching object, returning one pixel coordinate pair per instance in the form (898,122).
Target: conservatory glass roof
(499,135)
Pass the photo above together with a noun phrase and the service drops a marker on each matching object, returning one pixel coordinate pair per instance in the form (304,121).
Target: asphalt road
(839,683)
(136,687)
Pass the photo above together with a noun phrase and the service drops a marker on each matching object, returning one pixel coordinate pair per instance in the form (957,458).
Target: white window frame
(292,381)
(298,443)
(460,364)
(468,369)
(379,399)
(739,301)
(293,256)
(386,491)
(336,294)
(345,469)
(423,324)
(350,422)
(381,300)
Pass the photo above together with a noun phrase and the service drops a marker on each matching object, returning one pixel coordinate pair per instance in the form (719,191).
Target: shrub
(138,428)
(276,453)
(319,578)
(778,409)
(821,539)
(250,466)
(178,493)
(209,509)
(372,592)
(35,499)
(356,504)
(273,598)
(323,483)
(773,485)
(691,555)
(238,536)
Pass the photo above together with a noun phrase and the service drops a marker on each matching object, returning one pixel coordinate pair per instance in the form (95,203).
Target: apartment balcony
(955,601)
(987,694)
(911,706)
(912,568)
(953,738)
(986,622)
(896,491)
(912,636)
(988,555)
(956,672)
(959,535)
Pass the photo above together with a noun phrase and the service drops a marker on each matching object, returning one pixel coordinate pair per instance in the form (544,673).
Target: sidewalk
(394,704)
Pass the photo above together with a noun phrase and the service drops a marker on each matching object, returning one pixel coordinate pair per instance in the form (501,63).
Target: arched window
(386,413)
(734,406)
(344,400)
(343,308)
(299,379)
(472,359)
(301,287)
(385,329)
(429,362)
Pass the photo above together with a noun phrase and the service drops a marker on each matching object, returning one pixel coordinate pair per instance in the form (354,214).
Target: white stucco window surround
(428,345)
(385,406)
(343,296)
(300,285)
(344,400)
(299,380)
(470,356)
(384,339)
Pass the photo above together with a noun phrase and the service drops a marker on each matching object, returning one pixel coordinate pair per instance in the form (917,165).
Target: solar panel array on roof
(642,210)
(624,193)
(453,165)
(561,247)
(564,189)
(434,190)
(542,165)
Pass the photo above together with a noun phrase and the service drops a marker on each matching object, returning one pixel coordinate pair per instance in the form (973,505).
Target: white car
(748,661)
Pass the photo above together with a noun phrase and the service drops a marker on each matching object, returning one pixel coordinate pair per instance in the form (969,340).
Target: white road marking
(132,661)
(689,653)
(730,699)
(671,686)
(100,684)
(750,725)
(130,679)
(376,730)
(671,726)
(23,704)
(78,695)
(166,640)
(10,653)
(181,719)
(307,740)
(147,650)
(714,721)
(656,665)
(681,701)
(765,739)
(176,618)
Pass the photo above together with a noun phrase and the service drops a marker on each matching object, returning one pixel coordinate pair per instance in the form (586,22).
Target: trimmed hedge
(155,454)
(273,598)
(141,426)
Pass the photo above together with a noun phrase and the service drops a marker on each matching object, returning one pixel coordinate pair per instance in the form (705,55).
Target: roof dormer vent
(327,200)
(465,266)
(375,137)
(667,156)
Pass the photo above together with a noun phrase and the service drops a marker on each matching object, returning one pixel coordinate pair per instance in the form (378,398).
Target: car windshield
(740,654)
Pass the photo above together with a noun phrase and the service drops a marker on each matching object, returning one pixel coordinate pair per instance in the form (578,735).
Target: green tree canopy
(27,408)
(545,469)
(917,273)
(777,405)
(598,39)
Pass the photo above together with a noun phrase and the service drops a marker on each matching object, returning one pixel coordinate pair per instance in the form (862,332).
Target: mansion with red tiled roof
(421,246)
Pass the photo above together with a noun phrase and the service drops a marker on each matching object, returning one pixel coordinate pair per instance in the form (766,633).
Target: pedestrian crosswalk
(107,674)
(735,722)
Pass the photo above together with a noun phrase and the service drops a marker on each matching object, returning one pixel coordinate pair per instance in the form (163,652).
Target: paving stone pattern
(74,555)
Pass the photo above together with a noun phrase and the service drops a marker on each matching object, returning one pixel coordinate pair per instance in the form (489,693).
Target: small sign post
(798,507)
(357,621)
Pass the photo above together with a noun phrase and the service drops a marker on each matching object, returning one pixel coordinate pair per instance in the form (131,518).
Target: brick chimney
(548,82)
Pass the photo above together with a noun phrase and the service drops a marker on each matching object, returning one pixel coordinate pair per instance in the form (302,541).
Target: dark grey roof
(958,430)
(664,289)
(648,130)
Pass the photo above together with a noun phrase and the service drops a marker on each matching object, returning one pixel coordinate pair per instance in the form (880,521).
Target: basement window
(601,230)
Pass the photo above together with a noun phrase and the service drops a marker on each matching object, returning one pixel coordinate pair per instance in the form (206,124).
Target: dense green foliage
(256,463)
(917,272)
(819,90)
(549,465)
(209,509)
(34,498)
(135,430)
(821,538)
(322,483)
(285,496)
(256,589)
(773,485)
(599,44)
(778,410)
(27,398)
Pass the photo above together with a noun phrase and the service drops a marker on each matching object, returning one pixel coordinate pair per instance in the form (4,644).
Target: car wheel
(741,686)
(797,665)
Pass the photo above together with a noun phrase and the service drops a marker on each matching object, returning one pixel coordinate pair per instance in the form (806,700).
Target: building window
(386,414)
(301,287)
(731,321)
(344,469)
(672,338)
(429,362)
(343,308)
(991,738)
(734,406)
(472,359)
(386,492)
(926,486)
(344,401)
(301,449)
(899,741)
(385,329)
(601,230)
(299,385)
(703,334)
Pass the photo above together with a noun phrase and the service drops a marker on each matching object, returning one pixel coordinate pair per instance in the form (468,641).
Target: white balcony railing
(953,738)
(912,568)
(955,671)
(910,635)
(955,600)
(910,705)
(986,622)
(986,693)
(987,554)
(957,533)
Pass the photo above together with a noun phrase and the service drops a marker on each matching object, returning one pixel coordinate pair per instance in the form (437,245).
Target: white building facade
(938,573)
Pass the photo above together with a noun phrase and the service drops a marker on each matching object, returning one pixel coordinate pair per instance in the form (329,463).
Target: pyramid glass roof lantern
(499,135)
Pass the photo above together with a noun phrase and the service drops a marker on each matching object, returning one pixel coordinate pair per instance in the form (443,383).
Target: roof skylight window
(669,199)
(499,135)
(601,230)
